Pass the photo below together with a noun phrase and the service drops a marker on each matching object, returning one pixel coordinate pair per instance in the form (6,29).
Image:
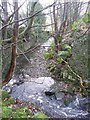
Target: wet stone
(80,103)
(59,96)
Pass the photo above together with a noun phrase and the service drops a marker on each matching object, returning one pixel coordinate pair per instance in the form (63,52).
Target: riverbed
(32,82)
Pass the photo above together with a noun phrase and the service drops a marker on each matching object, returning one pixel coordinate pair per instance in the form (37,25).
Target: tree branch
(28,17)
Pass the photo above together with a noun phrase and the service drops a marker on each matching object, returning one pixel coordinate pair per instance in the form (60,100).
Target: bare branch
(24,55)
(28,17)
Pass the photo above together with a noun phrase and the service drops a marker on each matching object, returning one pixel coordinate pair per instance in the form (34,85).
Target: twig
(81,82)
(29,50)
(28,17)
(40,56)
(24,55)
(83,33)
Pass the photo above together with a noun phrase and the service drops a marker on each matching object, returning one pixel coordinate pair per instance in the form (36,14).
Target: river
(32,82)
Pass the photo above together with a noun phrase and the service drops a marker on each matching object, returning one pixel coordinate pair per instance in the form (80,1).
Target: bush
(86,18)
(49,54)
(76,68)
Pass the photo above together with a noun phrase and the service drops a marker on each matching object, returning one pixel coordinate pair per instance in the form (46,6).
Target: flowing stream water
(32,81)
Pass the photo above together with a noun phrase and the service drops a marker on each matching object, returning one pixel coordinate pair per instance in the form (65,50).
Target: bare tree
(14,44)
(59,29)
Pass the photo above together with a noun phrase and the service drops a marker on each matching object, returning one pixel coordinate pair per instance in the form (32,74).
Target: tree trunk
(30,22)
(65,12)
(56,32)
(14,45)
(4,18)
(0,27)
(76,8)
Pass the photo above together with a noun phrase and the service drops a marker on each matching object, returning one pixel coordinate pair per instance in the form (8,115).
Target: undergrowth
(71,66)
(14,108)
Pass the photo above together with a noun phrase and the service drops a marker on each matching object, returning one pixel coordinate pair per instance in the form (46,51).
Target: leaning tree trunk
(14,45)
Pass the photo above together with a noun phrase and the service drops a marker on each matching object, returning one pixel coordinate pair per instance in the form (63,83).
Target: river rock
(80,103)
(59,96)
